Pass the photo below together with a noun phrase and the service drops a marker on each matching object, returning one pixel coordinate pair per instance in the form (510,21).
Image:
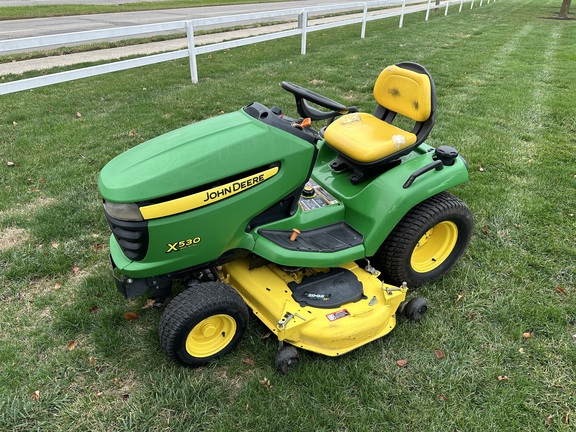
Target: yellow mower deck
(331,332)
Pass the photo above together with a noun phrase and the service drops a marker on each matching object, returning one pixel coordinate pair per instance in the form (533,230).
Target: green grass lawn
(504,72)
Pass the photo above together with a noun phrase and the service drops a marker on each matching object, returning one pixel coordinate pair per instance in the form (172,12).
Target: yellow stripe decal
(206,197)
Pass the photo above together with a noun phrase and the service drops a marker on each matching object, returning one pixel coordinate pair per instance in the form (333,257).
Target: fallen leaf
(10,164)
(265,382)
(55,245)
(98,393)
(130,316)
(248,361)
(547,421)
(14,123)
(36,395)
(459,297)
(78,115)
(485,230)
(266,336)
(526,335)
(402,362)
(75,269)
(149,304)
(58,284)
(472,315)
(521,350)
(97,247)
(561,290)
(93,309)
(92,361)
(503,378)
(132,133)
(439,354)
(72,344)
(441,397)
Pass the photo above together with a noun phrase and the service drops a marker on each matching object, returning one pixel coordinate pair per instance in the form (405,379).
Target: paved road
(57,25)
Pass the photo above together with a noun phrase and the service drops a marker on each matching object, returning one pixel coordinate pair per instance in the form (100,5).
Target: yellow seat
(366,141)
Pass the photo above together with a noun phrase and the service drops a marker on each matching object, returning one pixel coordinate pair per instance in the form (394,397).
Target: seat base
(361,172)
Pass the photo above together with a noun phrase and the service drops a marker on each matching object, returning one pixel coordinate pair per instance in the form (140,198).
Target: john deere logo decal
(206,197)
(221,192)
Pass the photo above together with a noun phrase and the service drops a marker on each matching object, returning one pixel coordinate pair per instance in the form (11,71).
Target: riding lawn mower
(318,232)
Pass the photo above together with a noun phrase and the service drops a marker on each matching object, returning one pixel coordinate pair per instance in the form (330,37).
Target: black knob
(446,154)
(308,192)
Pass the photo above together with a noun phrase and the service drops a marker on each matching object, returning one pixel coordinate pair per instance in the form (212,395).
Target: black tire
(286,358)
(427,242)
(203,323)
(415,308)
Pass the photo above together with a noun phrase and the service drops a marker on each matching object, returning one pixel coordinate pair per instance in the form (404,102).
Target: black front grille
(131,236)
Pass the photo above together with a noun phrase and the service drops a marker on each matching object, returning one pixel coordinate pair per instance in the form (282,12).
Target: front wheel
(427,242)
(203,323)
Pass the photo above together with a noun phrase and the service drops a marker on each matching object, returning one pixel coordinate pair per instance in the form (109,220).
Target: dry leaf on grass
(561,290)
(248,361)
(439,354)
(72,344)
(265,382)
(402,362)
(130,316)
(36,395)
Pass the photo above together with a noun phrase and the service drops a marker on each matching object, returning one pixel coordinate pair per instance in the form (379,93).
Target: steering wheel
(303,95)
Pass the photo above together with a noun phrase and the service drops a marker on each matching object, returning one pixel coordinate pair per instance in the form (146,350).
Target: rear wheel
(203,323)
(427,242)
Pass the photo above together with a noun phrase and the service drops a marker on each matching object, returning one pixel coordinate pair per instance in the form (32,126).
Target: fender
(373,208)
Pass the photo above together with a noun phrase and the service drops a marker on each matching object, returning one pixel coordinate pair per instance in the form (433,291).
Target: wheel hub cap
(434,247)
(211,335)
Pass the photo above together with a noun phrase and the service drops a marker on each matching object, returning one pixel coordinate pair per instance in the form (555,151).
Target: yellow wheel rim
(210,336)
(434,247)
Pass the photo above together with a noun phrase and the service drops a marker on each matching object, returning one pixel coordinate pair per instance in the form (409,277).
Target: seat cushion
(404,91)
(365,138)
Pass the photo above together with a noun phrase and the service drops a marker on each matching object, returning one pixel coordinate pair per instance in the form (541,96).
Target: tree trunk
(564,9)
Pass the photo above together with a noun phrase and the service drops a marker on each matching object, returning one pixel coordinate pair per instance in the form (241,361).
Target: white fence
(303,28)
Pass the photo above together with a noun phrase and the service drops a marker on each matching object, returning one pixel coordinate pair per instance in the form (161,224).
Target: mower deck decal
(206,197)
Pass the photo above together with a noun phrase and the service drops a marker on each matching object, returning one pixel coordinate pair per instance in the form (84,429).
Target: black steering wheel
(303,95)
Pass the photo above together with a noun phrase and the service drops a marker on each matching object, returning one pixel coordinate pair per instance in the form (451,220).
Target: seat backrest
(404,90)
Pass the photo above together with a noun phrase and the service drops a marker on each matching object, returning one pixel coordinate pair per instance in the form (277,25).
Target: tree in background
(564,9)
